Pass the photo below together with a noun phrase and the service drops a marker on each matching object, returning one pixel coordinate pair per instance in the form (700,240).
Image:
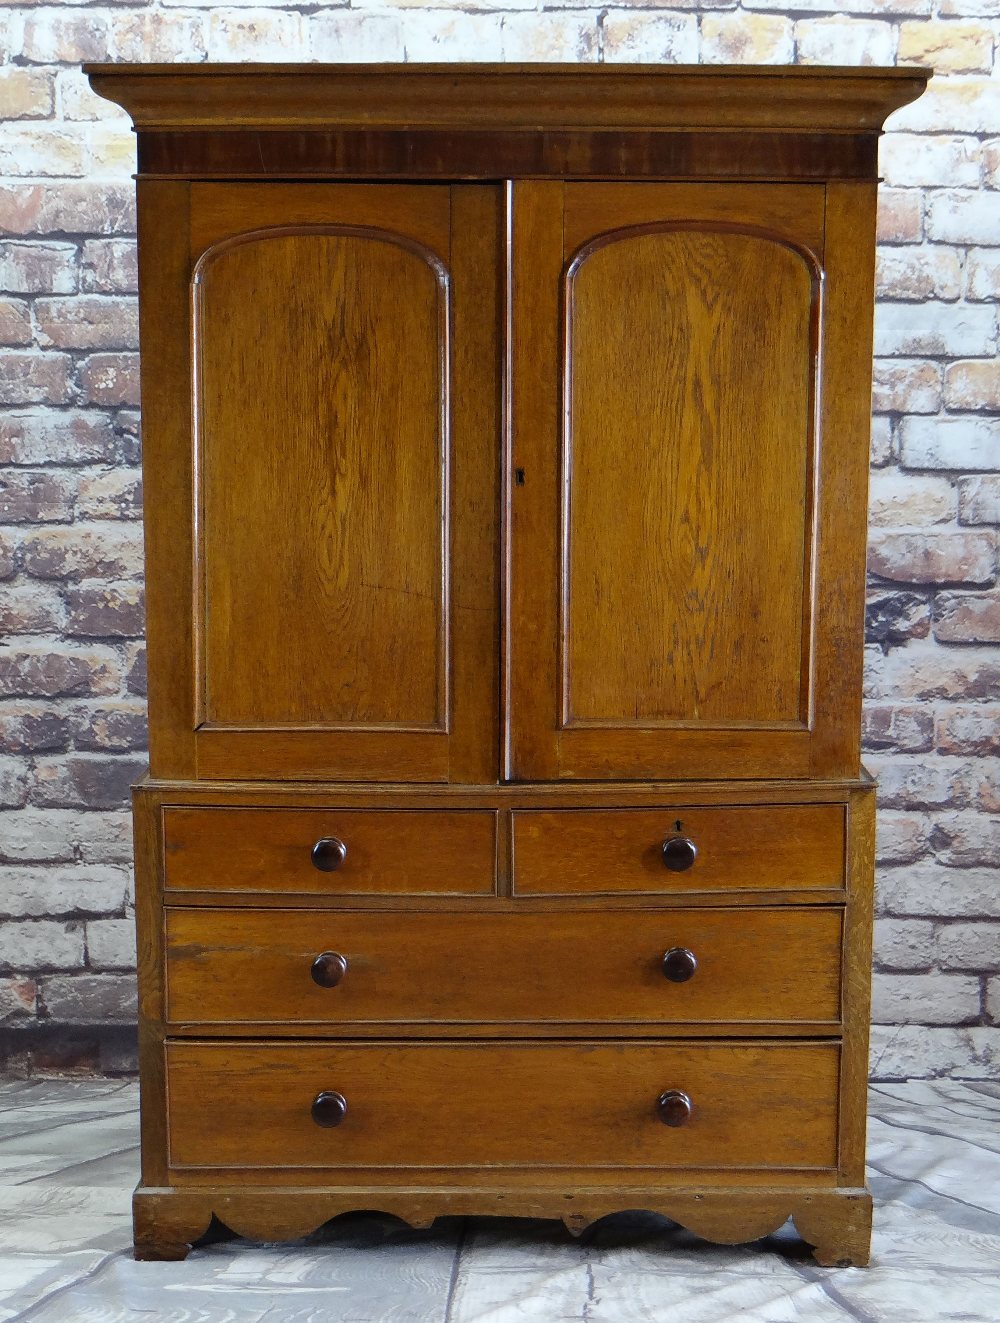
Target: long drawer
(330,851)
(676,849)
(660,1105)
(345,968)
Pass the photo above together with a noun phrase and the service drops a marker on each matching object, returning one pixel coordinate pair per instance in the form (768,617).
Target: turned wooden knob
(328,854)
(679,964)
(674,1107)
(679,853)
(329,968)
(329,1108)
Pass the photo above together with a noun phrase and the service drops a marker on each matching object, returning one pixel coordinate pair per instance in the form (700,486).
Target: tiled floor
(69,1157)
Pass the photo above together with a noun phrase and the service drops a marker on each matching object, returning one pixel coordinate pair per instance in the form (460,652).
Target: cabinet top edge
(535,97)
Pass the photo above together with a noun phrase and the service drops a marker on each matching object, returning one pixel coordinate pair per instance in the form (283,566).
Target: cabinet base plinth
(835,1222)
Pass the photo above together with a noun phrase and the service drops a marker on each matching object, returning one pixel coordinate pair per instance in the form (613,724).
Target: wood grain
(502,1105)
(576,851)
(690,370)
(390,852)
(754,967)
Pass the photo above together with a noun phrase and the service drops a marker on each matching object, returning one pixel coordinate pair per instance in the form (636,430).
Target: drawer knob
(329,1108)
(679,853)
(328,854)
(329,968)
(674,1107)
(679,964)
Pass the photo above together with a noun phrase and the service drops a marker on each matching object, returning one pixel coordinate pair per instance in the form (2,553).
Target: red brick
(62,208)
(86,780)
(893,617)
(116,494)
(117,726)
(135,669)
(68,437)
(37,268)
(105,610)
(30,377)
(900,215)
(886,726)
(967,618)
(103,551)
(969,730)
(30,496)
(50,670)
(31,608)
(934,557)
(87,322)
(110,378)
(15,323)
(18,998)
(33,728)
(110,266)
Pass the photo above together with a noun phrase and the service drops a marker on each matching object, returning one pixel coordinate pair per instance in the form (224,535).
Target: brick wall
(71,655)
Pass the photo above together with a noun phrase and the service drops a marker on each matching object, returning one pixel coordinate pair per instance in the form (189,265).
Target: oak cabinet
(505,443)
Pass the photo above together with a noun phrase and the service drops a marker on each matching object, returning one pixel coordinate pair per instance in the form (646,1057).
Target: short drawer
(493,1105)
(784,847)
(341,968)
(330,851)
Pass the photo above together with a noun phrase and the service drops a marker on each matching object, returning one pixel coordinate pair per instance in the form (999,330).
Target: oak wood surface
(550,96)
(502,1105)
(531,476)
(754,966)
(387,851)
(573,851)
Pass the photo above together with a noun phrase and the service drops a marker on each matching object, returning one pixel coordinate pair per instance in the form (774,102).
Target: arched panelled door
(343,481)
(692,457)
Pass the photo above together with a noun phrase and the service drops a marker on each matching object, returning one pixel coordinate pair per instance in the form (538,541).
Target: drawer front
(330,851)
(342,968)
(783,847)
(503,1104)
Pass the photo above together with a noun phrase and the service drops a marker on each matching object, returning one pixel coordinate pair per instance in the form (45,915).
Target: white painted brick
(344,36)
(253,34)
(931,161)
(633,37)
(950,443)
(902,943)
(39,944)
(993,1000)
(924,999)
(929,888)
(71,889)
(842,40)
(111,944)
(919,1052)
(452,35)
(926,671)
(910,500)
(554,37)
(983,274)
(972,946)
(949,329)
(882,443)
(906,386)
(959,104)
(901,837)
(963,216)
(931,271)
(743,38)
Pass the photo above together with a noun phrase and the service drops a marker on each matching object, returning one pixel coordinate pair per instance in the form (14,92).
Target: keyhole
(519,477)
(677,825)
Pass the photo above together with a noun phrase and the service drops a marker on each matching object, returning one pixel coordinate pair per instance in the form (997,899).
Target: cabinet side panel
(843,490)
(164,324)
